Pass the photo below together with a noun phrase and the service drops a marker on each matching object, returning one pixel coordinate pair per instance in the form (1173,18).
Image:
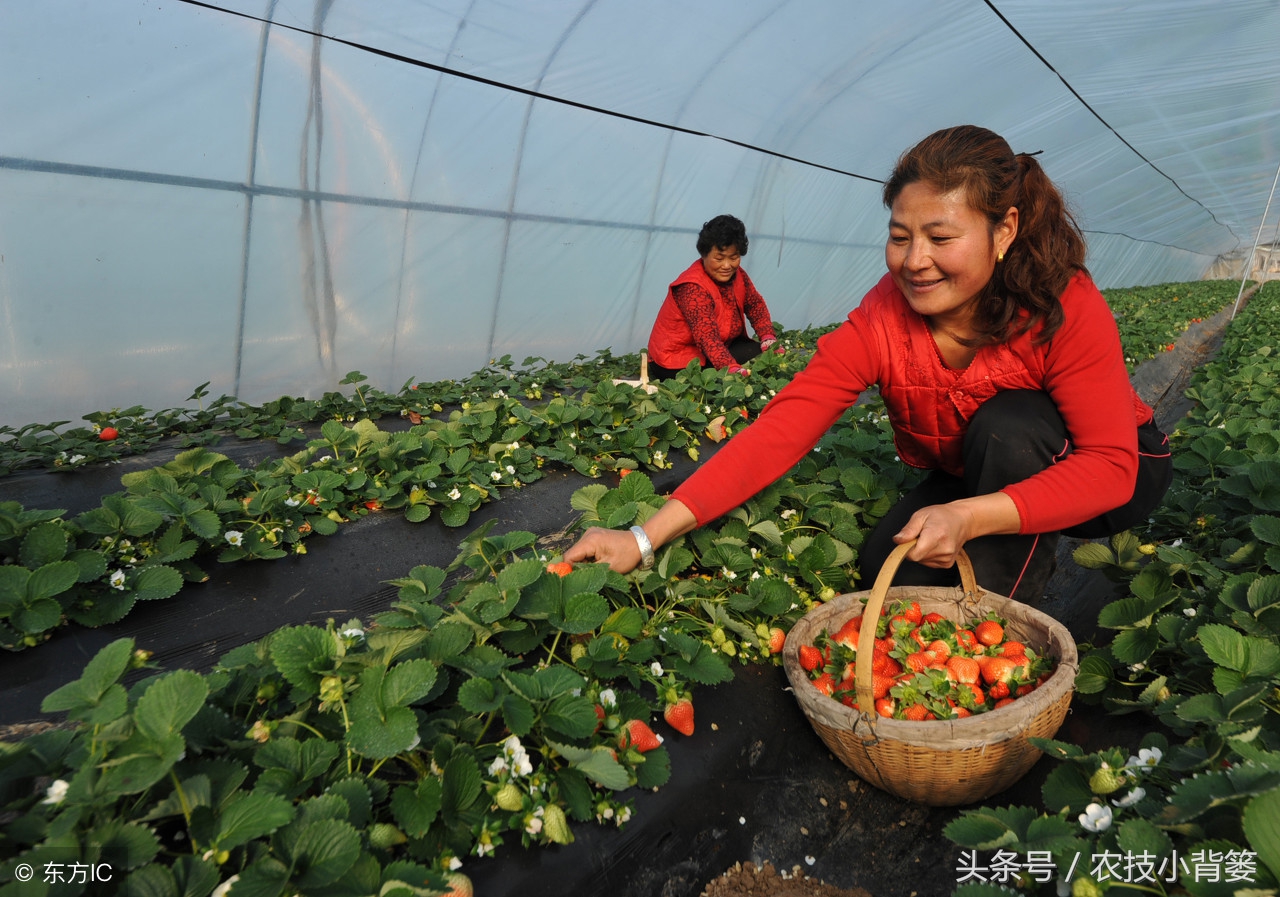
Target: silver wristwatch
(645,546)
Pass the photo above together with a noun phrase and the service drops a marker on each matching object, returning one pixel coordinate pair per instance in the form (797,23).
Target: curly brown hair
(1049,249)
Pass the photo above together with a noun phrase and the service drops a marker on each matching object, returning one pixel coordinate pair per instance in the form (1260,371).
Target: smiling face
(721,263)
(941,251)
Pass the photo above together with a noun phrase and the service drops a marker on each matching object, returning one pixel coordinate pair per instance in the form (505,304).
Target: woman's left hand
(940,531)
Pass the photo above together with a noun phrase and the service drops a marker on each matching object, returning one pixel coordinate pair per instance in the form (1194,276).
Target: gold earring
(999,256)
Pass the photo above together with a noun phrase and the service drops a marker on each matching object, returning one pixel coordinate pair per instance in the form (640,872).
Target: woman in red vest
(1001,370)
(702,316)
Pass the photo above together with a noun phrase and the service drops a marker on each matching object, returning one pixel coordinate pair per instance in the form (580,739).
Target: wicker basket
(937,762)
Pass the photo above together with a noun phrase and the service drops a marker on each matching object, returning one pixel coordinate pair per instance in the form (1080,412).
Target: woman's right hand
(617,548)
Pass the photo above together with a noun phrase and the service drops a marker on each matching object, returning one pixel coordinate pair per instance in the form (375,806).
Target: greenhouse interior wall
(265,196)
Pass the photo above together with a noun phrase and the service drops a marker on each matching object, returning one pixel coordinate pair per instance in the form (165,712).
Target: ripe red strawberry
(810,658)
(998,669)
(106,434)
(989,632)
(637,734)
(999,691)
(884,707)
(1003,702)
(1024,690)
(1021,665)
(918,661)
(939,647)
(883,663)
(1013,649)
(933,617)
(916,713)
(373,505)
(777,640)
(965,669)
(966,640)
(881,684)
(847,634)
(825,683)
(560,568)
(679,716)
(913,613)
(599,717)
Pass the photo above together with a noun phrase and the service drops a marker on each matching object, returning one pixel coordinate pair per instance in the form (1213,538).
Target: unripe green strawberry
(555,825)
(509,798)
(1105,781)
(577,652)
(383,835)
(331,688)
(1085,887)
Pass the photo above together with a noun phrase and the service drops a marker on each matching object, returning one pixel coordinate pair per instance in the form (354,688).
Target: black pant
(1014,435)
(742,348)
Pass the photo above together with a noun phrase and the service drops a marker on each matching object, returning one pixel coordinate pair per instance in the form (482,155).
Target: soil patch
(749,880)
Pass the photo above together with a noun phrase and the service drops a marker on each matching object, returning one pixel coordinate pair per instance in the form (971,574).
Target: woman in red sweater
(701,318)
(1000,367)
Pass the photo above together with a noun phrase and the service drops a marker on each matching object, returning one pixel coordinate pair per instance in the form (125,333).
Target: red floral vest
(671,341)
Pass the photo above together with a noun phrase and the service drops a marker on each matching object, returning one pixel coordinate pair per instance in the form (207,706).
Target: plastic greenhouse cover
(267,195)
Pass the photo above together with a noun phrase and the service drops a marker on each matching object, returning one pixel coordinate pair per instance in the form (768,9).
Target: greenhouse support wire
(1248,265)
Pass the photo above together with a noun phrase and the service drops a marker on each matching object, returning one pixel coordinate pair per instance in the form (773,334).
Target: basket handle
(871,613)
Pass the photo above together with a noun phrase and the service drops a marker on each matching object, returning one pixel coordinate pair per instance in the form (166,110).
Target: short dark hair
(722,231)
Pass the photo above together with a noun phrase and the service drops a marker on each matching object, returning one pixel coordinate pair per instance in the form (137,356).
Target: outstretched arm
(619,549)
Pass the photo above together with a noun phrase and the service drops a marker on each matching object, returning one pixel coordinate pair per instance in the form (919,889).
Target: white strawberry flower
(1146,757)
(56,793)
(235,537)
(222,889)
(117,580)
(496,476)
(454,864)
(656,669)
(1131,798)
(608,698)
(1096,818)
(454,493)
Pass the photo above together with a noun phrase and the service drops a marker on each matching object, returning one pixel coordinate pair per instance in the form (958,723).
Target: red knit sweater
(929,405)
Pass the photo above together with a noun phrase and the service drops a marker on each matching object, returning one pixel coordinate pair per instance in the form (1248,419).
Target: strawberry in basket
(925,666)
